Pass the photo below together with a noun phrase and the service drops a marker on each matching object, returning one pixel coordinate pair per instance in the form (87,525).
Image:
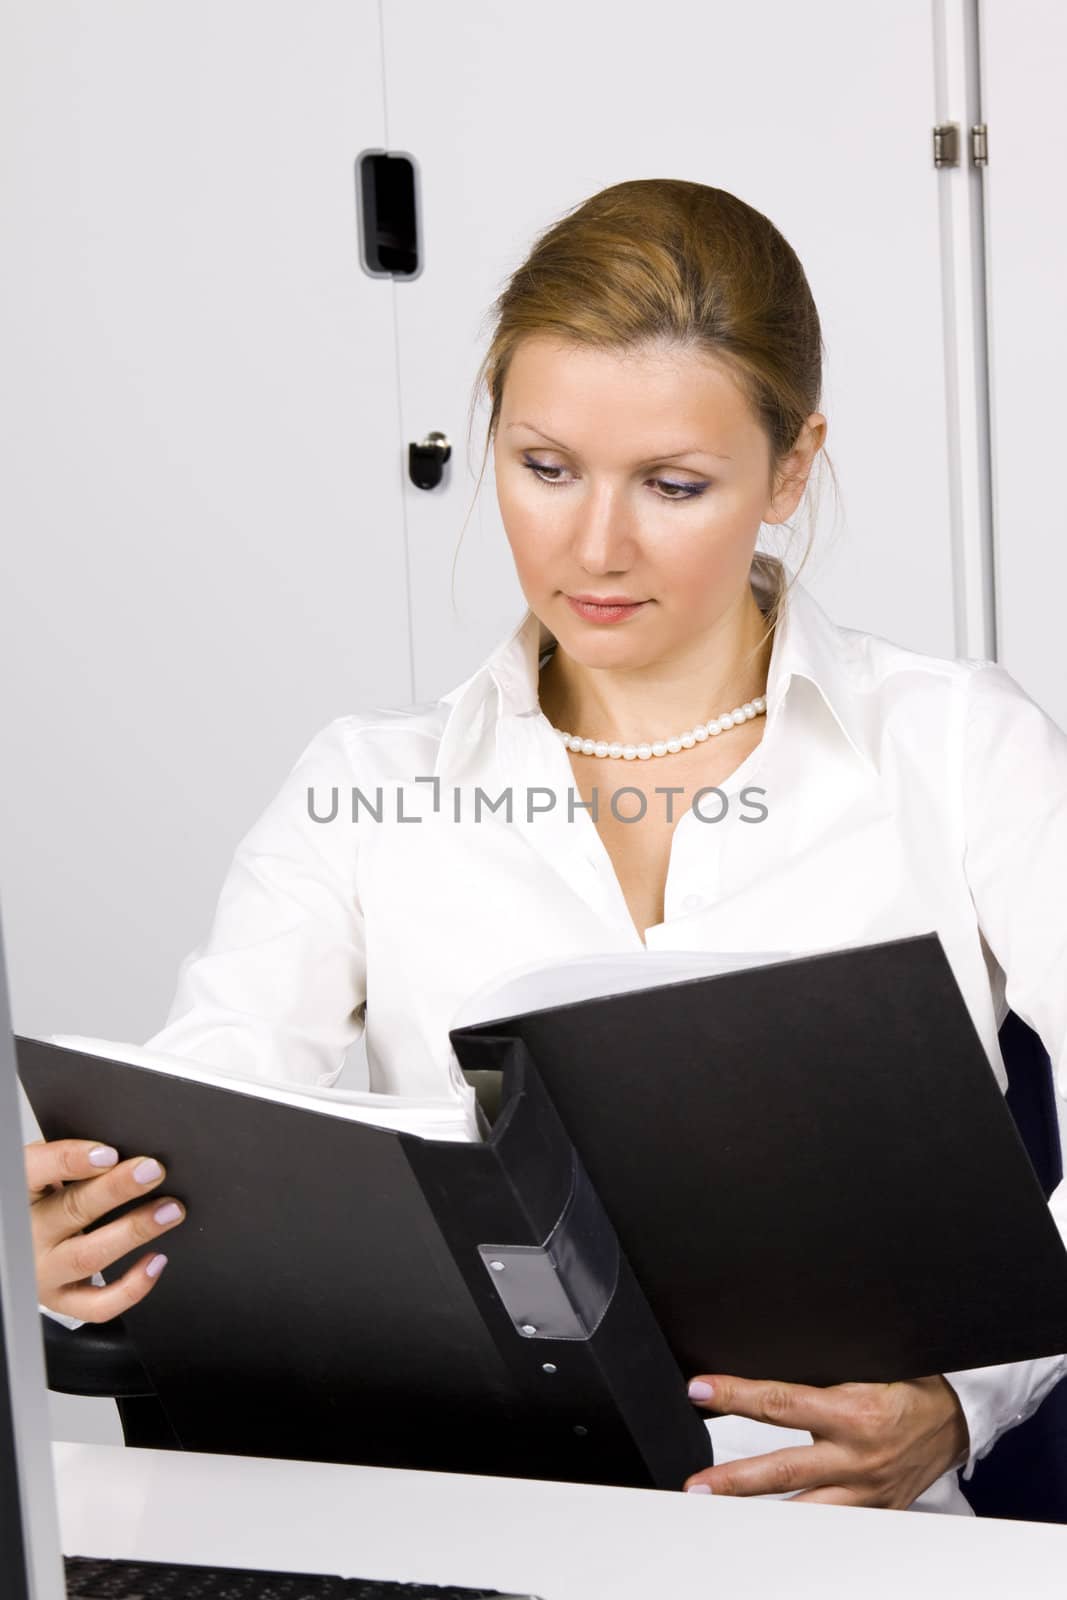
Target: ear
(793,471)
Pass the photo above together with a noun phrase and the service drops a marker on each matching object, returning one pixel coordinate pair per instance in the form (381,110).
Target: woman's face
(644,476)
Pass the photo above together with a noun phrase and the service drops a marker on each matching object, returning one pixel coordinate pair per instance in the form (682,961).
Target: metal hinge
(947,145)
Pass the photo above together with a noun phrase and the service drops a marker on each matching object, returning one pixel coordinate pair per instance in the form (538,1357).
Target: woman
(654,375)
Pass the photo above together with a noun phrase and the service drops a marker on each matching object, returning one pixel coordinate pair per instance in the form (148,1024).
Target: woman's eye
(680,491)
(538,470)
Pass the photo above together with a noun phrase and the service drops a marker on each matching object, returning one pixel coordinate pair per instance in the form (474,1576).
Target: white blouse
(899,793)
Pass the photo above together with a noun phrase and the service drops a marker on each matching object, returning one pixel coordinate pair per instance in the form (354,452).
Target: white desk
(563,1541)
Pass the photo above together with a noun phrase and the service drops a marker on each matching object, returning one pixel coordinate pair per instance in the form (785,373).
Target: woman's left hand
(874,1444)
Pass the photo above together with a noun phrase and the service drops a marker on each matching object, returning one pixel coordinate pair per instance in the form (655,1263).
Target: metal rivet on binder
(497,1266)
(580,1431)
(548,1367)
(528,1329)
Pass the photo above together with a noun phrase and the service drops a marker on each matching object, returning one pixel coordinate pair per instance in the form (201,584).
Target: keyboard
(93,1578)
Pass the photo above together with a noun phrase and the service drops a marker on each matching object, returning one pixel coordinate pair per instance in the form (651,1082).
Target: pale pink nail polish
(699,1390)
(699,1488)
(155,1266)
(168,1213)
(147,1170)
(103,1156)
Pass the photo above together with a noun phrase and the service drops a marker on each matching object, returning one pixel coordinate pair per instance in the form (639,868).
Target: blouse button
(692,902)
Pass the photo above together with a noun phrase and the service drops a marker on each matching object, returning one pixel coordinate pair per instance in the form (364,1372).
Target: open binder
(804,1170)
(345,1292)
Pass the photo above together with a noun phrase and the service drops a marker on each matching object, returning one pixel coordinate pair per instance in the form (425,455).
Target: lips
(604,610)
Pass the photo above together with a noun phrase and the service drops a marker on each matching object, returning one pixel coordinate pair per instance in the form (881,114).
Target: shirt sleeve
(1014,810)
(278,988)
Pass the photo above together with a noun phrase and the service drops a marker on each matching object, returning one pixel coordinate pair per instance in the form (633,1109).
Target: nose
(604,540)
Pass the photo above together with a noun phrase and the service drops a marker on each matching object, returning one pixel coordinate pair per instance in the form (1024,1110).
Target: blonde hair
(667,261)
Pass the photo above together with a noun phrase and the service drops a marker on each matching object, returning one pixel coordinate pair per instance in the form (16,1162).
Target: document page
(451,1119)
(556,983)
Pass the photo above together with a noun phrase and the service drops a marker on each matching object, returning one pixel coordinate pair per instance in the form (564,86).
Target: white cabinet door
(201,496)
(1023,53)
(819,115)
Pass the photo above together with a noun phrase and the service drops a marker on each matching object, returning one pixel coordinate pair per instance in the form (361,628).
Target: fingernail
(699,1488)
(169,1213)
(155,1266)
(699,1390)
(103,1156)
(147,1171)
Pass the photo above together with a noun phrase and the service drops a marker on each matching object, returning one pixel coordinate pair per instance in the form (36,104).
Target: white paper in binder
(557,983)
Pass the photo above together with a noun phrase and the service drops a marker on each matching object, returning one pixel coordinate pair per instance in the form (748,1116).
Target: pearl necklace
(664,747)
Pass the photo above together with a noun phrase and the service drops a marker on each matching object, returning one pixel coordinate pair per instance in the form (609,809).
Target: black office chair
(99,1361)
(1023,1477)
(1025,1474)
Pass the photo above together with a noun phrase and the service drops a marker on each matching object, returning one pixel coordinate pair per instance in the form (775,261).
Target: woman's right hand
(72,1183)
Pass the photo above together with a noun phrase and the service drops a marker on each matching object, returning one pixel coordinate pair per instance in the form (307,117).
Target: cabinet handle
(426,460)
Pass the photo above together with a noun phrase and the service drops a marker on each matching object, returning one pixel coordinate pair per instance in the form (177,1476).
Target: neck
(710,676)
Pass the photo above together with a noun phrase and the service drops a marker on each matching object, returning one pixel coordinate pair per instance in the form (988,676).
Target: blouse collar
(806,644)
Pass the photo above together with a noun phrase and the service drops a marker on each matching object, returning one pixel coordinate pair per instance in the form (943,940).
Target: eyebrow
(673,456)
